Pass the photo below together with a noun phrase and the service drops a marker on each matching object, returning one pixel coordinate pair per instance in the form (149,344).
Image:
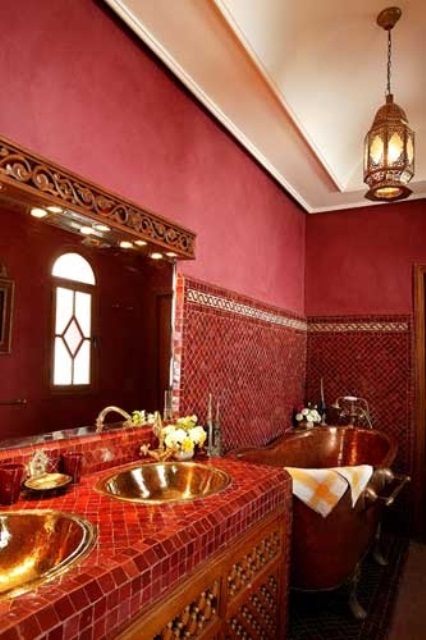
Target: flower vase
(304,424)
(184,455)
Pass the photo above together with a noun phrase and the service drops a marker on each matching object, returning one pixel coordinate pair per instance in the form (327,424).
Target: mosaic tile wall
(250,356)
(260,362)
(370,357)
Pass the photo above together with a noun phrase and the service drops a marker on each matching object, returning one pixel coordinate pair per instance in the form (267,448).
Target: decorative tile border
(233,306)
(346,327)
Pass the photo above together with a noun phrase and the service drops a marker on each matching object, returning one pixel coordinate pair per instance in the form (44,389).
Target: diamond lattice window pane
(62,369)
(73,337)
(64,308)
(83,304)
(82,364)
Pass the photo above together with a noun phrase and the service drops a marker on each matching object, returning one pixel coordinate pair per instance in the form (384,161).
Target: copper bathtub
(326,551)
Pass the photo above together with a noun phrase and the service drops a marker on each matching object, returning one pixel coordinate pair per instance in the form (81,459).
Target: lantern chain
(388,86)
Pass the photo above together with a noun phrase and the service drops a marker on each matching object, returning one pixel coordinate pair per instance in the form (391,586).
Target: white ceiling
(297,82)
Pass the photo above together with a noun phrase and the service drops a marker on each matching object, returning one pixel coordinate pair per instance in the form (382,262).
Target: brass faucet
(102,415)
(356,409)
(162,452)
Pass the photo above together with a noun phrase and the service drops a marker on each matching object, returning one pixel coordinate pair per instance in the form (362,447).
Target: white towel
(321,489)
(358,478)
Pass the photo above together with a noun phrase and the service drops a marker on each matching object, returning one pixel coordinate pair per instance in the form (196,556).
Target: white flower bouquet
(309,414)
(183,436)
(141,418)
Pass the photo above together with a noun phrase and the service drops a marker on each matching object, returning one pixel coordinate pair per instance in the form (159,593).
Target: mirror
(132,310)
(131,335)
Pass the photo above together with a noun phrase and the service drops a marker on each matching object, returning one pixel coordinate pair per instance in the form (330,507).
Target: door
(419,468)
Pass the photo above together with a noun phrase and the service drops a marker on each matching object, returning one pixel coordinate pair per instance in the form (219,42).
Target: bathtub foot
(358,612)
(379,557)
(377,552)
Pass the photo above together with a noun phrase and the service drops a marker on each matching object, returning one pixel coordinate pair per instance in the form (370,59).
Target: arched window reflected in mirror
(73,292)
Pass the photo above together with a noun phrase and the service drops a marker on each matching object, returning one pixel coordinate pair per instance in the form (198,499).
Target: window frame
(73,285)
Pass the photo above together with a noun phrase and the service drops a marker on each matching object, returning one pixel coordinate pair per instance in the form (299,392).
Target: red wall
(361,261)
(81,91)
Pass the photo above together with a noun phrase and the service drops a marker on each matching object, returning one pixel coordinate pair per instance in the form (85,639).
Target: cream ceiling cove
(294,82)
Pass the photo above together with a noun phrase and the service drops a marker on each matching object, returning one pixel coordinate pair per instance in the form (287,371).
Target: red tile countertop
(141,552)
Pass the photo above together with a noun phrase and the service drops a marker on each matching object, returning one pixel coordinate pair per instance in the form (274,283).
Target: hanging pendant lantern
(389,145)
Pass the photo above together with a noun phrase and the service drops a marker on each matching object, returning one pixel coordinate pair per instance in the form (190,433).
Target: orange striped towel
(358,477)
(320,489)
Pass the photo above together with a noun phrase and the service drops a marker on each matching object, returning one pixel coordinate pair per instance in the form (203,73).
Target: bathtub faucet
(356,409)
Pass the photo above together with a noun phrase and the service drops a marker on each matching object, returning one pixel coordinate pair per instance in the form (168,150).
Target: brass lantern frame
(389,144)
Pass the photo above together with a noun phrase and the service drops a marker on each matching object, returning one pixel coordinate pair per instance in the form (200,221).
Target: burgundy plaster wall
(361,261)
(81,91)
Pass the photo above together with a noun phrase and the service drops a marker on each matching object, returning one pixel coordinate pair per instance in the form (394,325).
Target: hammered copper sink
(38,545)
(162,482)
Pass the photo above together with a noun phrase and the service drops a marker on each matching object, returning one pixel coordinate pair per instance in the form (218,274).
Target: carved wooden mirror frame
(31,180)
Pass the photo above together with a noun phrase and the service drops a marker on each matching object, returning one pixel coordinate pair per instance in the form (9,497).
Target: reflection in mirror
(131,334)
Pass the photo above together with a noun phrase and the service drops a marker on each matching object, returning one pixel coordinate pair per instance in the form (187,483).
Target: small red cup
(72,464)
(11,476)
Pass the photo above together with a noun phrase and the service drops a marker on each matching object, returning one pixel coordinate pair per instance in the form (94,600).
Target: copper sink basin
(38,545)
(164,482)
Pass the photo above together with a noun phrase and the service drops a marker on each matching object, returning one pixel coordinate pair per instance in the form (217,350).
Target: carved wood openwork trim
(257,618)
(195,617)
(243,572)
(37,180)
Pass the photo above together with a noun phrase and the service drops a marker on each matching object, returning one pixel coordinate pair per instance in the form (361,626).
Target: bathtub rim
(294,434)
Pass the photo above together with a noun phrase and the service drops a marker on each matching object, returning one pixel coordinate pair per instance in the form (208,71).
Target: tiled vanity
(222,559)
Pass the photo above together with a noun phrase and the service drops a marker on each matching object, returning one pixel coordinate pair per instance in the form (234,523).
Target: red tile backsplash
(112,448)
(370,357)
(251,357)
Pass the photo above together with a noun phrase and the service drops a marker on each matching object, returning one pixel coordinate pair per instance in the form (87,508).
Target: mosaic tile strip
(234,306)
(345,327)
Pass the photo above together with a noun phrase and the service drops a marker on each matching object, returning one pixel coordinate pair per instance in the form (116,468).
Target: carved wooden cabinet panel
(258,616)
(238,594)
(256,587)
